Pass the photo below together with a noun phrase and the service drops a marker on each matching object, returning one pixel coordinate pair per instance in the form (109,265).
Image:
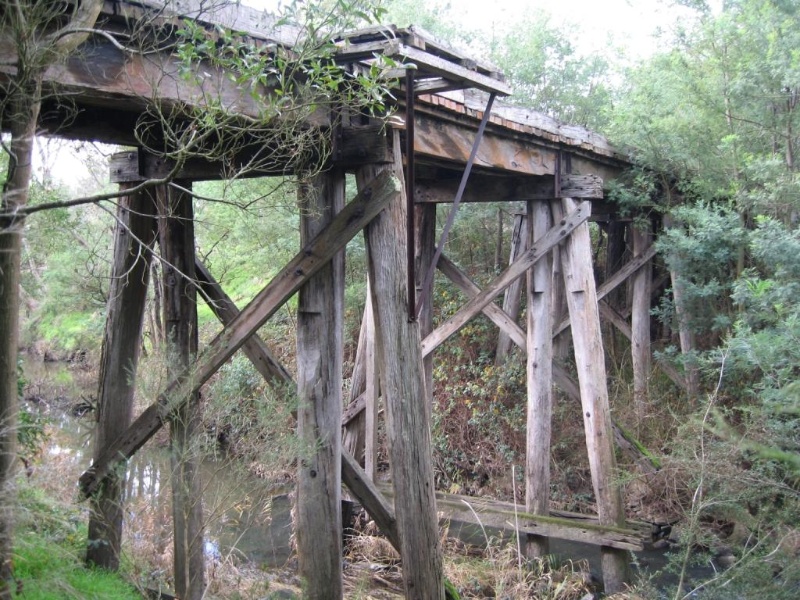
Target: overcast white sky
(630,23)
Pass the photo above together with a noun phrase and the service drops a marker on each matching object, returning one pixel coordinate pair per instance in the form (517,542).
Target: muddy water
(246,520)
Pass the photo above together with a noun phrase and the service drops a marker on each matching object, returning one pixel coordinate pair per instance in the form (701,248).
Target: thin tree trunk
(320,316)
(136,225)
(25,106)
(180,321)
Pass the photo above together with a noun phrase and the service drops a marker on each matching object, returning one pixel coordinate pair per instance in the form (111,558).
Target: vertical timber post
(426,248)
(540,377)
(320,318)
(133,242)
(176,238)
(353,434)
(397,344)
(511,298)
(370,392)
(640,322)
(581,293)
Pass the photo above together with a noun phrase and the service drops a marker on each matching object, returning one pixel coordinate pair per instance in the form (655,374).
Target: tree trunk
(25,104)
(320,316)
(397,343)
(180,323)
(135,233)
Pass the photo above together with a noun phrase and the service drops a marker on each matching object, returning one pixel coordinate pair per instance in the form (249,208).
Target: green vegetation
(712,125)
(48,561)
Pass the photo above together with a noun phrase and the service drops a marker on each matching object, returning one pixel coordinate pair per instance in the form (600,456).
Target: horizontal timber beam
(508,189)
(352,219)
(559,524)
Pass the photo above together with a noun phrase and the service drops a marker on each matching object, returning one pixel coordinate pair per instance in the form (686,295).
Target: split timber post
(397,344)
(425,223)
(512,296)
(176,238)
(133,243)
(640,321)
(320,316)
(587,340)
(540,377)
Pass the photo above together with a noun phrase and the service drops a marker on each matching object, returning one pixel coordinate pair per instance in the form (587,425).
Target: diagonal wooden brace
(364,207)
(518,268)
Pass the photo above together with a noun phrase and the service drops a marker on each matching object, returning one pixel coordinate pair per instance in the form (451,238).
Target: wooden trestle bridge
(451,142)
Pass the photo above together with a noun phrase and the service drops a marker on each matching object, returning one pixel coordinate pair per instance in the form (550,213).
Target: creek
(247,520)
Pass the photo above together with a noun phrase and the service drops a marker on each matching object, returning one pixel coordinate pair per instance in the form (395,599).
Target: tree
(44,33)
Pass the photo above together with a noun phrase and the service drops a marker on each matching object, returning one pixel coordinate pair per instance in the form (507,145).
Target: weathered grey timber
(640,321)
(134,237)
(371,497)
(512,295)
(354,424)
(556,524)
(361,210)
(256,349)
(615,281)
(554,236)
(320,317)
(425,222)
(408,415)
(587,340)
(539,366)
(176,239)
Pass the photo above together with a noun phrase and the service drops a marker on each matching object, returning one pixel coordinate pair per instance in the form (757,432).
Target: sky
(630,23)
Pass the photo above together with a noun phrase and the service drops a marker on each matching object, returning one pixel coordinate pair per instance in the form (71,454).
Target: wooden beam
(608,313)
(539,367)
(563,525)
(134,237)
(371,498)
(512,297)
(397,343)
(640,321)
(615,281)
(226,311)
(370,201)
(553,237)
(488,188)
(177,243)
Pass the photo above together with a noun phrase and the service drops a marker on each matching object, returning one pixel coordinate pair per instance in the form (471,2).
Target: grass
(49,548)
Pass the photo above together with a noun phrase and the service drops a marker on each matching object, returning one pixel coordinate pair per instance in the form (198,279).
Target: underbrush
(49,551)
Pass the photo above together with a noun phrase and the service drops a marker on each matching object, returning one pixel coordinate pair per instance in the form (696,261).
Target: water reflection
(242,520)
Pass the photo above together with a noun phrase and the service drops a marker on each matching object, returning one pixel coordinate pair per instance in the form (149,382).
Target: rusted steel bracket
(427,283)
